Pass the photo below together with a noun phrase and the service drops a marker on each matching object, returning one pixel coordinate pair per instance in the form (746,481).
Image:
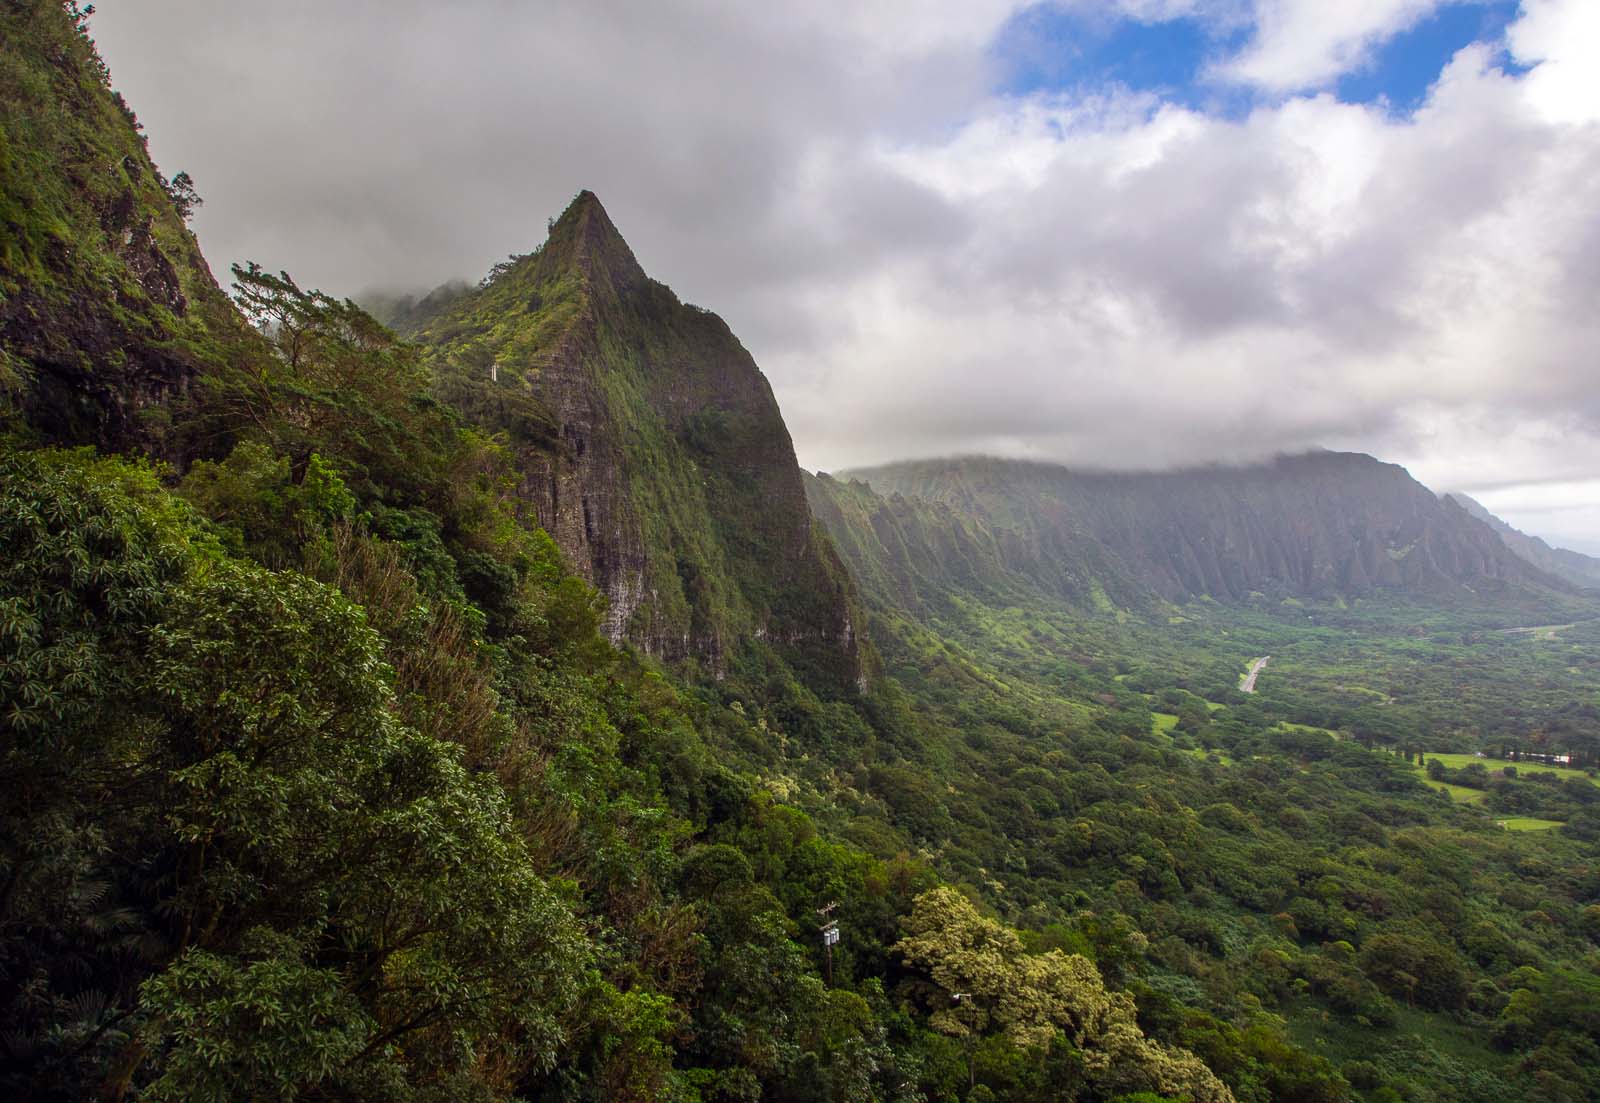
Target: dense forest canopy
(328,770)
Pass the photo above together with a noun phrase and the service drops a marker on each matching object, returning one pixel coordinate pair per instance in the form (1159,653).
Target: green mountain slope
(320,777)
(650,447)
(1320,525)
(1107,756)
(915,552)
(108,312)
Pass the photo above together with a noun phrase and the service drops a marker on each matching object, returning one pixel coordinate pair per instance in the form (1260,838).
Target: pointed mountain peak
(585,238)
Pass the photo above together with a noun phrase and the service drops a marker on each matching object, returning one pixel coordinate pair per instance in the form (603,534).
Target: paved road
(1248,682)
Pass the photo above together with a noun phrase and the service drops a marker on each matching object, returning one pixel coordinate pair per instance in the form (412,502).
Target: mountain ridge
(1317,525)
(1575,567)
(325,783)
(651,448)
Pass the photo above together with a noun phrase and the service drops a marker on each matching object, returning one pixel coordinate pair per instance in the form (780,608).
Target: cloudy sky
(1130,233)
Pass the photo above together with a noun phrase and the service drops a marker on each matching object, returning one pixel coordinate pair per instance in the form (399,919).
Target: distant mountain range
(1579,569)
(1323,525)
(325,781)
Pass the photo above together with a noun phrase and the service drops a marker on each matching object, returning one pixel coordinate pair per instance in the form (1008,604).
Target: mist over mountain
(1127,233)
(1319,525)
(1575,567)
(468,697)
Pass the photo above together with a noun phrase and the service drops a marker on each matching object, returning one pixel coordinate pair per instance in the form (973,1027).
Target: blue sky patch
(1407,65)
(1049,49)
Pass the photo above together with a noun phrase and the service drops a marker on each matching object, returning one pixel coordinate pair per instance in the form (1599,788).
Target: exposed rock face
(108,312)
(650,448)
(1319,525)
(1575,567)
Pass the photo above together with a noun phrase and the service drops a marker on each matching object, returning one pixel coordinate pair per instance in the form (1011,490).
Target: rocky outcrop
(108,311)
(651,448)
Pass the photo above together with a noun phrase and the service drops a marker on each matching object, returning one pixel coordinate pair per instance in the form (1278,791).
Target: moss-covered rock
(108,311)
(651,447)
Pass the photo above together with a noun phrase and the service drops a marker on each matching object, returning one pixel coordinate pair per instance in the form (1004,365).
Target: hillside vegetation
(503,715)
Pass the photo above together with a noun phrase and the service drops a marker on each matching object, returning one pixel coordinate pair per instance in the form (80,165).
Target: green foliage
(1256,848)
(254,497)
(336,382)
(321,781)
(213,744)
(984,980)
(107,310)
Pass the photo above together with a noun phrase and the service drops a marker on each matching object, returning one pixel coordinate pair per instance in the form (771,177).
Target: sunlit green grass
(1527,823)
(1163,722)
(1285,725)
(1458,792)
(1495,765)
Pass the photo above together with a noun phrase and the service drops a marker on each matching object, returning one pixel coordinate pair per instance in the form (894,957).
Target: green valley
(489,708)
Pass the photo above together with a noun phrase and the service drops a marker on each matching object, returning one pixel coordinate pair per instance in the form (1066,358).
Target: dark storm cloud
(922,265)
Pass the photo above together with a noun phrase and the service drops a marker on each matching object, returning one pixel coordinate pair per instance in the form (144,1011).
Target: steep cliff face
(1320,525)
(1581,570)
(108,312)
(651,448)
(917,554)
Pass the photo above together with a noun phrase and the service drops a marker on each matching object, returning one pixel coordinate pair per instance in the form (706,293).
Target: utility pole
(830,935)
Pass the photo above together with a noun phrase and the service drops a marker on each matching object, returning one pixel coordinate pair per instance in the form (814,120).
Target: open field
(1539,632)
(1458,793)
(1288,726)
(1163,722)
(1495,765)
(1527,823)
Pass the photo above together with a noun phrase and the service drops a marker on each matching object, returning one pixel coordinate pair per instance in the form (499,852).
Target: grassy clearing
(1459,793)
(1284,725)
(1495,765)
(1527,823)
(1163,722)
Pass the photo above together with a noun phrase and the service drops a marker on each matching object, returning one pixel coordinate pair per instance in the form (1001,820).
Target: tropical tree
(986,980)
(229,869)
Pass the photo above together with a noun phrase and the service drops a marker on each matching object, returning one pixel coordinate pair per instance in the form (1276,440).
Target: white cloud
(1303,44)
(1566,514)
(1562,39)
(924,267)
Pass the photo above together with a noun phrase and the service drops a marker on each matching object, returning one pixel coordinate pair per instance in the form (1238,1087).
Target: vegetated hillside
(1275,849)
(108,312)
(1577,568)
(915,552)
(407,313)
(1320,525)
(651,449)
(320,781)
